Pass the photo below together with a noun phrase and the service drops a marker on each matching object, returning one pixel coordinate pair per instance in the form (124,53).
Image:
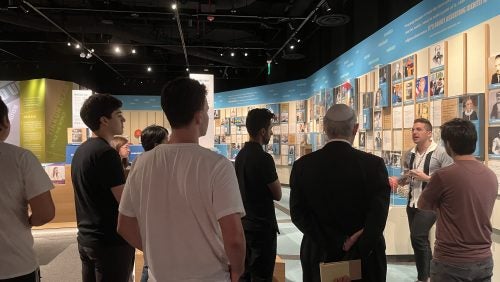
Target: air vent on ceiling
(331,20)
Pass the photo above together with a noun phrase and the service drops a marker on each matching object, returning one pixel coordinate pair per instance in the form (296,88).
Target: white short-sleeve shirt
(178,192)
(21,179)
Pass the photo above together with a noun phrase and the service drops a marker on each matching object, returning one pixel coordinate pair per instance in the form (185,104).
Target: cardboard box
(333,270)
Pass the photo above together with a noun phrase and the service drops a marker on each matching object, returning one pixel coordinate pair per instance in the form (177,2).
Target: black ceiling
(33,42)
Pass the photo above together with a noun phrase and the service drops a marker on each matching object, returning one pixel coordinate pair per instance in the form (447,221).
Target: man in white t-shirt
(181,204)
(23,183)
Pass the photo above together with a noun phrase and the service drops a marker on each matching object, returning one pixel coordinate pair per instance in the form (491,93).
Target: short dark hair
(152,136)
(181,98)
(258,119)
(461,136)
(97,106)
(4,113)
(428,124)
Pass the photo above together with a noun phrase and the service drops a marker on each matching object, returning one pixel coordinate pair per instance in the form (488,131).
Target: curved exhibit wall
(430,62)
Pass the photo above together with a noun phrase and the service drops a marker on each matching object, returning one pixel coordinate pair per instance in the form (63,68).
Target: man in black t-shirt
(259,186)
(98,180)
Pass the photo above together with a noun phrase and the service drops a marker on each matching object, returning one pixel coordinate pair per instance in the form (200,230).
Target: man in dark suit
(340,199)
(495,78)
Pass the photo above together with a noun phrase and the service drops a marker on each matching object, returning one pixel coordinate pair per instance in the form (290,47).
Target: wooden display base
(54,225)
(278,276)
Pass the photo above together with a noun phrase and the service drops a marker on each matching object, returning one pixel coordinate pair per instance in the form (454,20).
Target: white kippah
(339,112)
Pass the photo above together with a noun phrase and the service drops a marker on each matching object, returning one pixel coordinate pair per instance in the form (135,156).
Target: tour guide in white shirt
(420,163)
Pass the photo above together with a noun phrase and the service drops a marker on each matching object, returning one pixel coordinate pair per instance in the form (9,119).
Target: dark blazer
(494,112)
(335,192)
(495,78)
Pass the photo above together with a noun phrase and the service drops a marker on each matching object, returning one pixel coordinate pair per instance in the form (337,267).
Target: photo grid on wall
(392,97)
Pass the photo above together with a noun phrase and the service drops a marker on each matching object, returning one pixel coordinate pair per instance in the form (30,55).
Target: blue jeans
(474,272)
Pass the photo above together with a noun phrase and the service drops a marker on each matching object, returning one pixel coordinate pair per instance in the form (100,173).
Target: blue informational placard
(70,152)
(135,150)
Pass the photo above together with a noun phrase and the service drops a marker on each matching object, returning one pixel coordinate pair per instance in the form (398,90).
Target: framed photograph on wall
(421,89)
(437,54)
(377,140)
(409,67)
(408,92)
(494,70)
(437,84)
(397,75)
(362,139)
(494,105)
(275,109)
(422,110)
(494,142)
(367,100)
(397,94)
(377,120)
(469,106)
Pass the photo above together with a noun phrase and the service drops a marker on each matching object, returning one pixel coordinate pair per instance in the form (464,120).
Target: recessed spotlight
(174,6)
(118,50)
(69,44)
(82,55)
(292,47)
(232,54)
(88,56)
(149,69)
(298,40)
(246,54)
(187,69)
(221,54)
(92,50)
(205,69)
(133,51)
(77,46)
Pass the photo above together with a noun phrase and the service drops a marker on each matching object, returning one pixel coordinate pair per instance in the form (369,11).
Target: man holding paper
(340,199)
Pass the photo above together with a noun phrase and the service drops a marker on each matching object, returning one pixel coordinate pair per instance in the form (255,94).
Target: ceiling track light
(37,11)
(24,8)
(295,31)
(327,7)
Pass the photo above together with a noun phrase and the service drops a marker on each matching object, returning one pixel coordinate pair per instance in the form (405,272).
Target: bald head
(340,121)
